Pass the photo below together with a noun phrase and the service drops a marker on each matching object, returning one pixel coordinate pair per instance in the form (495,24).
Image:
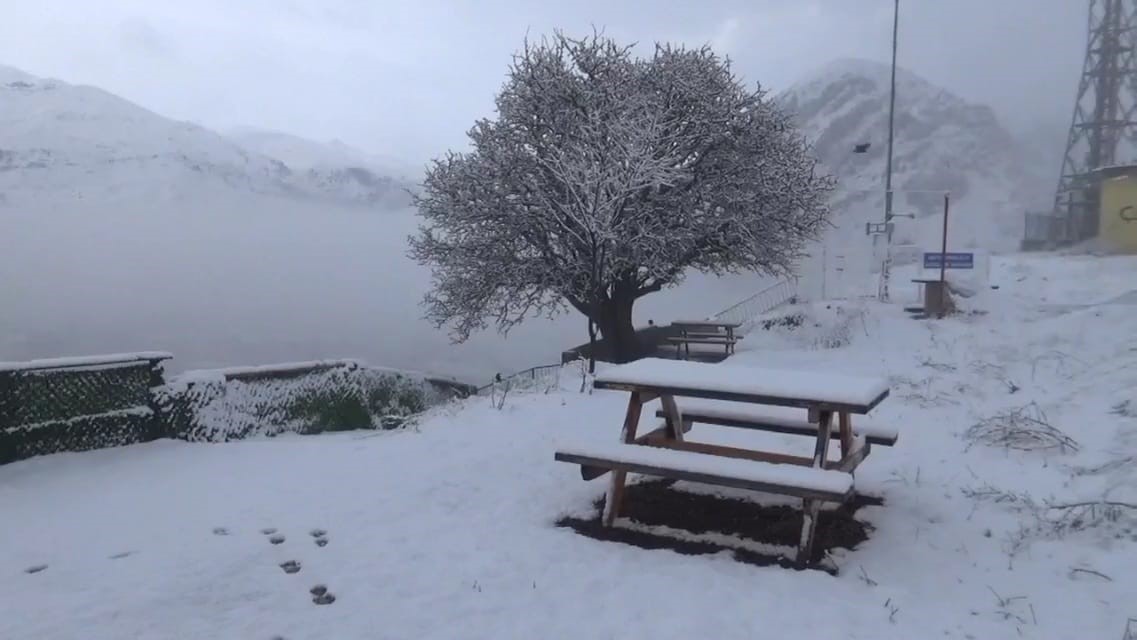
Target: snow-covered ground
(447,531)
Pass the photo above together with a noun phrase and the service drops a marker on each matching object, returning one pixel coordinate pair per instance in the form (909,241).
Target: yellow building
(1117,226)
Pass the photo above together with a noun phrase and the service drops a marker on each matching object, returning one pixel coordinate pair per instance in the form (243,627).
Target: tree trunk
(615,323)
(591,346)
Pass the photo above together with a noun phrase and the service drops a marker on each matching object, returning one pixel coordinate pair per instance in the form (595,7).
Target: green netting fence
(77,404)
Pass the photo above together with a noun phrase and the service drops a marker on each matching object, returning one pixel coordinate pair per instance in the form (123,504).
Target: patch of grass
(327,410)
(792,321)
(379,402)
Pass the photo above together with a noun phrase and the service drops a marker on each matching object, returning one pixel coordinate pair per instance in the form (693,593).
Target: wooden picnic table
(793,402)
(709,332)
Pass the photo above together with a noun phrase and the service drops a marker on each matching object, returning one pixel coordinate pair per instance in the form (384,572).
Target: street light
(886,269)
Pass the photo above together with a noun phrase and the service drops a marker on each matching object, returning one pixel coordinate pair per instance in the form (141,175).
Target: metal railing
(745,312)
(540,378)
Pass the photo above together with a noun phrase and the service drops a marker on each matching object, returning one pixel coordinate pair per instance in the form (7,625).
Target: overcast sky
(408,78)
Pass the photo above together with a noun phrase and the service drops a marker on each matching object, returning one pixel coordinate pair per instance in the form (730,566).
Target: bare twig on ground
(584,374)
(1112,465)
(892,610)
(1025,429)
(1005,604)
(988,493)
(1053,520)
(938,366)
(1099,574)
(1125,409)
(496,399)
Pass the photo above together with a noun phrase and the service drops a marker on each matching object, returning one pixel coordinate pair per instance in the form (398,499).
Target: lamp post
(886,269)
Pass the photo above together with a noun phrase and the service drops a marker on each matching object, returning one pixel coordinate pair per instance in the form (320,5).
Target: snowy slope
(62,143)
(942,143)
(302,153)
(334,167)
(447,531)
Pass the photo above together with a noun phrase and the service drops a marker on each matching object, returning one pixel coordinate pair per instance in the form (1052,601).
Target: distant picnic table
(791,402)
(704,332)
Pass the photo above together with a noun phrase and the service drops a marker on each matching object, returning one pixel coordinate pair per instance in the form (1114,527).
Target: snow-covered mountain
(334,167)
(302,153)
(942,143)
(61,143)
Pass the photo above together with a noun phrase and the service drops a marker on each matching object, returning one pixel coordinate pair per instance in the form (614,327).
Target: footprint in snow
(268,531)
(276,539)
(120,556)
(220,531)
(36,568)
(321,595)
(321,537)
(292,566)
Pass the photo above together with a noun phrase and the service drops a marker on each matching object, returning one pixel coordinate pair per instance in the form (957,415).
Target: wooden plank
(850,461)
(673,416)
(810,506)
(705,323)
(845,432)
(701,340)
(811,509)
(725,481)
(662,432)
(824,432)
(756,385)
(734,396)
(707,334)
(592,473)
(733,452)
(804,429)
(615,493)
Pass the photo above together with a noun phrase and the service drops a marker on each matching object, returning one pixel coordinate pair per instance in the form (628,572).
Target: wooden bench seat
(702,340)
(775,419)
(787,479)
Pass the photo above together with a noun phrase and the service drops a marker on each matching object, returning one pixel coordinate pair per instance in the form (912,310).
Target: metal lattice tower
(1104,128)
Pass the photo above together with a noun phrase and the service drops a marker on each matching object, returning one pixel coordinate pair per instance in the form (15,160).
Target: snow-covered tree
(606,177)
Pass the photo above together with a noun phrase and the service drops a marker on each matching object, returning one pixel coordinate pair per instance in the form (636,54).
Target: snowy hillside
(63,143)
(334,167)
(1009,504)
(302,153)
(942,143)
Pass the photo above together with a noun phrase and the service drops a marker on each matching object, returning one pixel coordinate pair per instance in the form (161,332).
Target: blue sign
(949,260)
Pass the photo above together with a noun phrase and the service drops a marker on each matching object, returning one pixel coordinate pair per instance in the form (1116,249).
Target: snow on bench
(709,322)
(721,339)
(827,391)
(776,419)
(788,479)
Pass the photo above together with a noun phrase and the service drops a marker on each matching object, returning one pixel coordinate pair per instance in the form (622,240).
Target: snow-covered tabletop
(707,323)
(855,394)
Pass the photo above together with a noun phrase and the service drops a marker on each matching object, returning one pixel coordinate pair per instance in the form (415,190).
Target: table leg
(845,424)
(615,493)
(675,423)
(810,507)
